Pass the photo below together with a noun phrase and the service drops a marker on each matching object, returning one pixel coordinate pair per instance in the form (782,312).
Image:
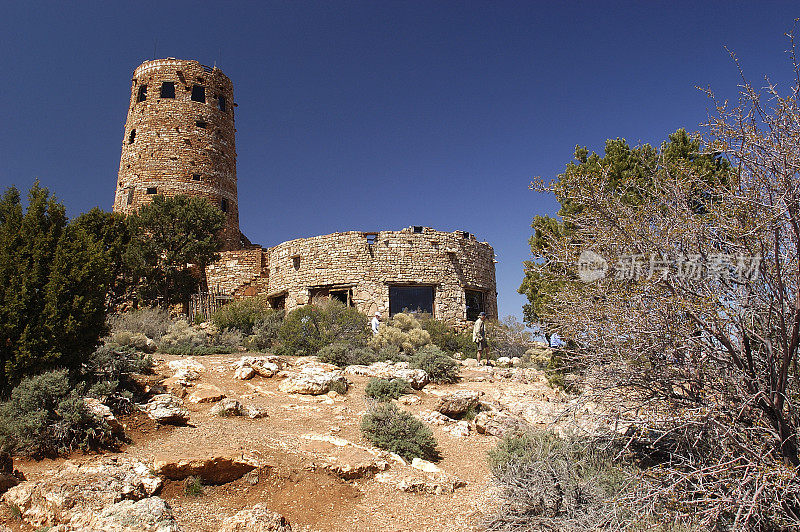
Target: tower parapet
(180,139)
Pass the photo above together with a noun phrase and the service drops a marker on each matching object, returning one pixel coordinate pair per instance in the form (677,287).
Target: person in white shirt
(375,323)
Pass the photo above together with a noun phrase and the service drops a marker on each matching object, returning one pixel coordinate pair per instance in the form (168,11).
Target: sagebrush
(392,429)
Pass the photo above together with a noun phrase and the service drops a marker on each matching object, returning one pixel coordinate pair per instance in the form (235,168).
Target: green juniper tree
(167,235)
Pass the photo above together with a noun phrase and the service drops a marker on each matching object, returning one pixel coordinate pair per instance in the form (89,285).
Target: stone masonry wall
(179,146)
(449,262)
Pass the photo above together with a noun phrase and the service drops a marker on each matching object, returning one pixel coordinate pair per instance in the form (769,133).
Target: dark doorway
(474,304)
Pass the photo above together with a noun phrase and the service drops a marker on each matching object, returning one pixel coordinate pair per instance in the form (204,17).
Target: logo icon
(591,266)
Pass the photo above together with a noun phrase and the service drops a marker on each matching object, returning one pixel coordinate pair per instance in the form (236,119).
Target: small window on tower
(168,89)
(417,228)
(223,105)
(198,93)
(132,136)
(223,204)
(130,195)
(142,93)
(200,123)
(196,177)
(152,190)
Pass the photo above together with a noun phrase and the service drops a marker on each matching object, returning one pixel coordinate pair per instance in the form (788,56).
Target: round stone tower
(180,139)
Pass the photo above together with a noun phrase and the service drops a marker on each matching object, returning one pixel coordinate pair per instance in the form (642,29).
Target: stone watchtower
(180,139)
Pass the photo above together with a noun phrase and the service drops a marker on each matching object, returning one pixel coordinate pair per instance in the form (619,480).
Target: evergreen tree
(53,279)
(169,234)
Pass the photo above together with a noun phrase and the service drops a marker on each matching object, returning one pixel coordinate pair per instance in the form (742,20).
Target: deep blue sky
(379,115)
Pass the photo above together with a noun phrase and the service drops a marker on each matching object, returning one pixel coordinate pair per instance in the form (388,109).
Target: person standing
(376,320)
(479,335)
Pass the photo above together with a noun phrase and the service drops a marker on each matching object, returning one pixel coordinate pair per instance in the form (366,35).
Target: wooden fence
(203,304)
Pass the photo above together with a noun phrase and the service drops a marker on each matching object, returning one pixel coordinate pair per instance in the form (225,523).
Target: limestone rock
(495,423)
(232,407)
(348,471)
(436,418)
(212,470)
(101,411)
(459,429)
(152,514)
(503,362)
(187,363)
(470,362)
(167,409)
(516,361)
(422,483)
(265,366)
(75,493)
(205,393)
(457,403)
(424,465)
(417,378)
(256,519)
(244,373)
(313,379)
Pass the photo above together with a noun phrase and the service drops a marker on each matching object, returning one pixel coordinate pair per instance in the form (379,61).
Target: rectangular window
(413,299)
(198,93)
(417,228)
(474,304)
(130,195)
(200,123)
(371,238)
(465,235)
(142,93)
(223,105)
(223,204)
(132,136)
(196,177)
(152,190)
(168,89)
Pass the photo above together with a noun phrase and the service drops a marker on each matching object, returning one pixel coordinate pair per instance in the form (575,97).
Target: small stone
(408,399)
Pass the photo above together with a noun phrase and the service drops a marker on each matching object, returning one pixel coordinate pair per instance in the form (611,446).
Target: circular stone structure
(180,139)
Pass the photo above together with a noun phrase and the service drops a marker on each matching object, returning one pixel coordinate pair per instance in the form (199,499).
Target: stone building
(179,139)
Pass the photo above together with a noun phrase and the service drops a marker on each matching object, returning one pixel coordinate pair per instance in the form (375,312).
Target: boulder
(436,418)
(470,362)
(232,407)
(457,403)
(503,362)
(244,373)
(74,494)
(187,363)
(459,429)
(351,471)
(313,379)
(205,393)
(101,411)
(516,361)
(495,423)
(152,514)
(421,482)
(167,409)
(417,378)
(265,366)
(424,465)
(256,519)
(212,470)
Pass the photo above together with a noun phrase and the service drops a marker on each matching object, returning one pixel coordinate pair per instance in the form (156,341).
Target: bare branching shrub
(508,337)
(553,483)
(151,322)
(696,320)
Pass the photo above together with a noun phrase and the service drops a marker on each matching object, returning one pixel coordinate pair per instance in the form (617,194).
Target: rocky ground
(277,449)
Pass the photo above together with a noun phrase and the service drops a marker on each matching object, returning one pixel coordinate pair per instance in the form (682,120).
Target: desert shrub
(339,386)
(404,332)
(447,338)
(383,390)
(231,338)
(241,314)
(181,335)
(554,483)
(439,366)
(46,415)
(343,354)
(391,429)
(508,338)
(198,350)
(265,331)
(309,328)
(391,353)
(136,341)
(193,486)
(151,322)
